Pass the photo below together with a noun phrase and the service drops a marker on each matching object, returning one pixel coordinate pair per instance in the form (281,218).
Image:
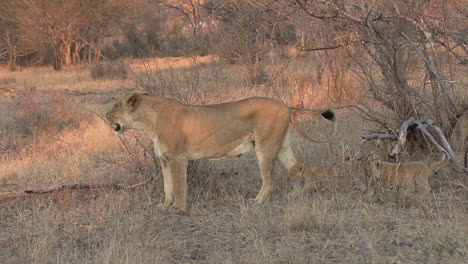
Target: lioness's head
(120,116)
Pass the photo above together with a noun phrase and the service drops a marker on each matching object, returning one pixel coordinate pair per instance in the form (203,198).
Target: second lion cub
(413,174)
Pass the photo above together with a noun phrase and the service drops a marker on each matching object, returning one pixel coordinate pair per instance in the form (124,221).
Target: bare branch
(422,126)
(380,136)
(73,186)
(401,138)
(303,7)
(84,185)
(326,47)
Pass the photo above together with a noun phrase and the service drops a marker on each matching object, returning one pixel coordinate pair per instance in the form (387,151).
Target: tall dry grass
(223,225)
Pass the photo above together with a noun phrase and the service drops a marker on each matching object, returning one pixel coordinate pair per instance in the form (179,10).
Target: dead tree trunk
(424,126)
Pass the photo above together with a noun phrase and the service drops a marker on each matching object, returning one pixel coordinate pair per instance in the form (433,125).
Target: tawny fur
(189,132)
(409,175)
(319,178)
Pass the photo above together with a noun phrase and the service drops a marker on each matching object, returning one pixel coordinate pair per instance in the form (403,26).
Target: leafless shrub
(184,84)
(41,117)
(106,70)
(6,81)
(258,73)
(404,57)
(61,34)
(246,35)
(407,58)
(139,158)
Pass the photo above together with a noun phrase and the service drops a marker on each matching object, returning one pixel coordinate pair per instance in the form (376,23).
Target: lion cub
(318,178)
(414,174)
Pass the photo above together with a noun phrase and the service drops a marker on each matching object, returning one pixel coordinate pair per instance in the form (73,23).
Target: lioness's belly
(223,152)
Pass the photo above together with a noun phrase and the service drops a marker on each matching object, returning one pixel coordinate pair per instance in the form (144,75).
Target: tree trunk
(12,55)
(90,54)
(97,50)
(57,57)
(65,51)
(78,46)
(12,59)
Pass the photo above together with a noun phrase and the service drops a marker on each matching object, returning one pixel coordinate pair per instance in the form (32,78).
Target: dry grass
(223,226)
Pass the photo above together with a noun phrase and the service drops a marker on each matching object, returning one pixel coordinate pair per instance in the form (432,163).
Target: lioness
(414,174)
(188,132)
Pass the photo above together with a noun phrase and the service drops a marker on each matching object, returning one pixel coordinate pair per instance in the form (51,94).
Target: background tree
(408,55)
(60,30)
(8,43)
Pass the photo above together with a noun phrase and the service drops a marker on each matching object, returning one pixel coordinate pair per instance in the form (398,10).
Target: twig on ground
(84,185)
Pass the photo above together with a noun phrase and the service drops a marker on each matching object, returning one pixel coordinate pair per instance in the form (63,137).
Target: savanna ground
(50,133)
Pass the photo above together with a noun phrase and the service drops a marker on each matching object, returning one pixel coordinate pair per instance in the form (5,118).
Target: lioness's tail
(440,163)
(327,115)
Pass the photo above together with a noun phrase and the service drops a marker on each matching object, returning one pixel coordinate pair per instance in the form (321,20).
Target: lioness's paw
(260,199)
(171,209)
(252,200)
(257,202)
(162,206)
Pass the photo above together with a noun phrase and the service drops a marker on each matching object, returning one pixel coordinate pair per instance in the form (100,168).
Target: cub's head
(296,172)
(355,163)
(120,116)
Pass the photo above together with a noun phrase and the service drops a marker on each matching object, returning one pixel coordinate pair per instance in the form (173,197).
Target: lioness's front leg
(168,184)
(179,173)
(177,176)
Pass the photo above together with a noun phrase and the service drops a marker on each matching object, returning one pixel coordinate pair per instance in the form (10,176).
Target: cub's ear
(134,101)
(378,164)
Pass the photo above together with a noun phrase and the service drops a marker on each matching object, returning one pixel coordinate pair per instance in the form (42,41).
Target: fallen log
(84,185)
(379,136)
(401,139)
(403,132)
(371,137)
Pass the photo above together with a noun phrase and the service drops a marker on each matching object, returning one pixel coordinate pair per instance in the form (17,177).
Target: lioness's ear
(134,100)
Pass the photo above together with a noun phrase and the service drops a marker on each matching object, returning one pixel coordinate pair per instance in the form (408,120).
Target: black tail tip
(328,114)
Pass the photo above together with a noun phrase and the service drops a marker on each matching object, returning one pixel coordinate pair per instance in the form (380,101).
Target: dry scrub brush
(34,118)
(403,59)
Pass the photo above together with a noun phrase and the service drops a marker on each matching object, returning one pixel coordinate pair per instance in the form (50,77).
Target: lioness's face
(120,116)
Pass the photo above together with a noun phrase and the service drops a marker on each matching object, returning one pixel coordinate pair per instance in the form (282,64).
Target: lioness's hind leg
(267,153)
(286,155)
(288,160)
(266,161)
(268,140)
